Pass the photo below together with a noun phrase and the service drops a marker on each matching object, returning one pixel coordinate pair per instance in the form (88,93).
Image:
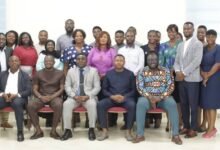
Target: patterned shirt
(155,83)
(69,54)
(167,54)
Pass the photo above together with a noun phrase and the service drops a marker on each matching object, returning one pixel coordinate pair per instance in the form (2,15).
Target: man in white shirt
(134,55)
(15,87)
(43,37)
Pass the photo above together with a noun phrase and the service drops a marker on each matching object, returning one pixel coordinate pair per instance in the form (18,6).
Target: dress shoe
(37,135)
(102,137)
(54,135)
(184,131)
(67,134)
(20,136)
(157,123)
(91,134)
(176,139)
(138,139)
(191,134)
(6,125)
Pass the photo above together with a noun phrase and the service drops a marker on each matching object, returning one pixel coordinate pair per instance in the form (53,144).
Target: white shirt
(12,83)
(3,60)
(186,44)
(39,48)
(134,58)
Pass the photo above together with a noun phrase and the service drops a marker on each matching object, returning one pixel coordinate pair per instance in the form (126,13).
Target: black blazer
(24,83)
(8,52)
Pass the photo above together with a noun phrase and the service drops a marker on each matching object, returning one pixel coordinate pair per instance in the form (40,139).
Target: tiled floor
(155,139)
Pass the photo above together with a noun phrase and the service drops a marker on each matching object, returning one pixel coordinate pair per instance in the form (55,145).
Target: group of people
(180,76)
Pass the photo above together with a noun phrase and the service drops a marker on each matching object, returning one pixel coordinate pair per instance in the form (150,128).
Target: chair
(116,110)
(80,109)
(7,109)
(46,109)
(158,111)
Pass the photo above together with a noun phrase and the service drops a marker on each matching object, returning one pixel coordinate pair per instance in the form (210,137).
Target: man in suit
(187,68)
(48,86)
(119,89)
(82,86)
(5,53)
(15,87)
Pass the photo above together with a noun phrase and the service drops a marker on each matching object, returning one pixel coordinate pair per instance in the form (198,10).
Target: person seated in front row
(82,86)
(155,85)
(48,87)
(15,87)
(119,88)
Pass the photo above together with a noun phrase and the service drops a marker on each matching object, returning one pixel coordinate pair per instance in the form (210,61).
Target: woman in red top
(26,53)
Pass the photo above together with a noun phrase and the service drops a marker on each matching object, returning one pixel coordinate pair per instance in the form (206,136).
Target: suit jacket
(91,82)
(189,63)
(24,83)
(8,52)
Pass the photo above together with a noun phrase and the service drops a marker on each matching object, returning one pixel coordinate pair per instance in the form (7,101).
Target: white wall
(205,12)
(34,15)
(2,15)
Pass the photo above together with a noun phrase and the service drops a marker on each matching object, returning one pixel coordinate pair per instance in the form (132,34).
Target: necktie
(81,82)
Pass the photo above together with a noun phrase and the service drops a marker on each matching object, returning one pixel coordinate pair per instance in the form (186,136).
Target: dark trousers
(189,99)
(34,105)
(18,105)
(105,104)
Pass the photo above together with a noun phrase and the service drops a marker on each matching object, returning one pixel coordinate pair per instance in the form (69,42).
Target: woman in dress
(211,81)
(101,56)
(69,55)
(27,54)
(167,54)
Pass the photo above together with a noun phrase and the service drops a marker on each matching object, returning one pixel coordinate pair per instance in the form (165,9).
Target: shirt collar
(189,40)
(132,46)
(84,69)
(9,71)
